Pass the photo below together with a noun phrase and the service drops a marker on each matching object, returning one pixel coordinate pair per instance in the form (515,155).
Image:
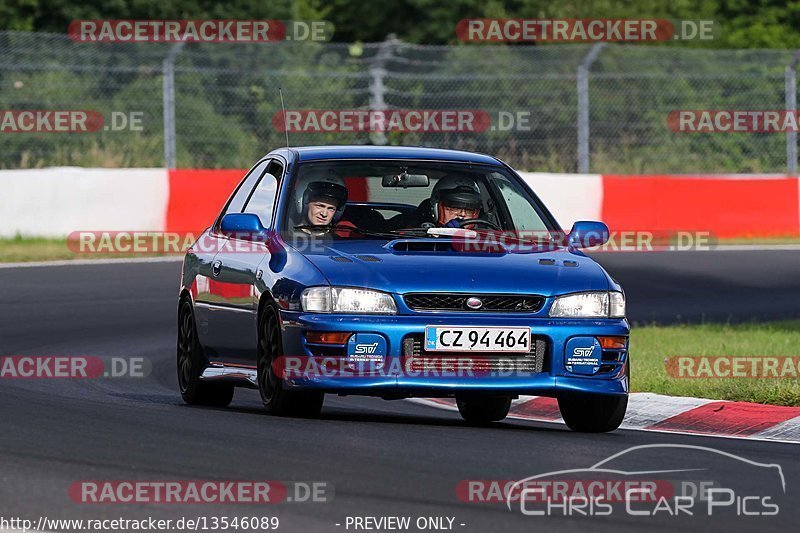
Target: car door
(235,271)
(207,304)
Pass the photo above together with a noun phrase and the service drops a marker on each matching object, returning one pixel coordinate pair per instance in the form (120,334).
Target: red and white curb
(671,414)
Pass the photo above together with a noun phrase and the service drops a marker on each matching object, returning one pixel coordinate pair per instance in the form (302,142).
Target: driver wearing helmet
(322,203)
(454,200)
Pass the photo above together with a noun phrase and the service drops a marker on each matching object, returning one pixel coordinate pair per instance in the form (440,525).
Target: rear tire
(191,363)
(277,400)
(482,409)
(593,413)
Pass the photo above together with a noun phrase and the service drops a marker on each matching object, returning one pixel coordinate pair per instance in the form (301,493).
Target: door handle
(216,267)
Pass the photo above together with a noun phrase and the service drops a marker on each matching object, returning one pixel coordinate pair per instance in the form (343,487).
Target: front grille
(507,303)
(417,359)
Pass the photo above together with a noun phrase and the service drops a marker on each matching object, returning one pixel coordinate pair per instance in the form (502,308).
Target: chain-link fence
(598,108)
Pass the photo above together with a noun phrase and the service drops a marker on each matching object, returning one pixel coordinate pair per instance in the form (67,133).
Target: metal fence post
(168,69)
(377,70)
(582,79)
(791,106)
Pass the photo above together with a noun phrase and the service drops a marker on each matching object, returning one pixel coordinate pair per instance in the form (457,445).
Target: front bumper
(394,381)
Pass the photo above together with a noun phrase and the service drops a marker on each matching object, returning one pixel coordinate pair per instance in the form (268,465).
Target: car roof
(319,153)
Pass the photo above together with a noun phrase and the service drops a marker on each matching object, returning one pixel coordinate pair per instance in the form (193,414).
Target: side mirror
(587,233)
(244,226)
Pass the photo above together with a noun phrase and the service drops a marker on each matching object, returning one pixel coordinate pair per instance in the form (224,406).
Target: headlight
(589,305)
(617,305)
(347,300)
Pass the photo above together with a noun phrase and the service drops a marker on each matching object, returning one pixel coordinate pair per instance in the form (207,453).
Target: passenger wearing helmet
(455,199)
(322,203)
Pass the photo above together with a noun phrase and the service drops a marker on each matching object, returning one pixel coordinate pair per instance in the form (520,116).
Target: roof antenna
(285,125)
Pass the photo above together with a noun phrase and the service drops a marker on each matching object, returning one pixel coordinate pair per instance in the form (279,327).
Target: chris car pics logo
(681,482)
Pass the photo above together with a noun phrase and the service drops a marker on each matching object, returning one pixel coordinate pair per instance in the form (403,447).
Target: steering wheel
(476,221)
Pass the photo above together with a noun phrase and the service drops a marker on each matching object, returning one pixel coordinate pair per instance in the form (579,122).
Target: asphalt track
(378,458)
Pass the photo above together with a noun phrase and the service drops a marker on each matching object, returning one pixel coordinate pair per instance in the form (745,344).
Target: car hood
(389,267)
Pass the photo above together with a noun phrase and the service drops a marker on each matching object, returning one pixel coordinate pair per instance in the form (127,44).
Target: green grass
(24,249)
(651,345)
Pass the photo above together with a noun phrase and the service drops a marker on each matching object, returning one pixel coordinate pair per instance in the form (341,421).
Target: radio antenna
(285,125)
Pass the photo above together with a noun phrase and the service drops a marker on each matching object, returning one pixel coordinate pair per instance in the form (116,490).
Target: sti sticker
(582,356)
(366,351)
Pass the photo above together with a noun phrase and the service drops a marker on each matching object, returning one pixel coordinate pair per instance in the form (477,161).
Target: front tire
(277,400)
(593,413)
(481,409)
(191,363)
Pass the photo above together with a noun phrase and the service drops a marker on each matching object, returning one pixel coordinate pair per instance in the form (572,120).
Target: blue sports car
(400,272)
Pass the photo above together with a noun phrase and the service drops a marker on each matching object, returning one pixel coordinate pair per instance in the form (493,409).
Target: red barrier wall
(727,207)
(197,196)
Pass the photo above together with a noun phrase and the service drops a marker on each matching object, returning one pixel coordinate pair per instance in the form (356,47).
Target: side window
(523,214)
(262,201)
(237,201)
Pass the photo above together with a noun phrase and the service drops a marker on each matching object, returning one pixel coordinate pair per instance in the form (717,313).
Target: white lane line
(788,429)
(714,435)
(79,262)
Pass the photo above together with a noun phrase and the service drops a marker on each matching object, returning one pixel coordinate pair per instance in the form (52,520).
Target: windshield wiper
(321,227)
(351,229)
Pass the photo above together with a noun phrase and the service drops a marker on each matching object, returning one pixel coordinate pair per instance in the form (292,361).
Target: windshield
(384,199)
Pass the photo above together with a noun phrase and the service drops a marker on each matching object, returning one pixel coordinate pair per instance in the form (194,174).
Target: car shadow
(365,415)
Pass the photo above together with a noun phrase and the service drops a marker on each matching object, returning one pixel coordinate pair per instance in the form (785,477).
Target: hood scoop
(423,246)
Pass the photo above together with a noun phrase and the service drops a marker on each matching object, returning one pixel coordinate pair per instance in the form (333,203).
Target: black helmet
(325,186)
(455,191)
(325,190)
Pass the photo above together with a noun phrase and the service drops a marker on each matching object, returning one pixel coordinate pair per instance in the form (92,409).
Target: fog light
(612,343)
(328,337)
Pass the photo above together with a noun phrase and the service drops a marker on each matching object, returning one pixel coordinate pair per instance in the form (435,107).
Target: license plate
(467,339)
